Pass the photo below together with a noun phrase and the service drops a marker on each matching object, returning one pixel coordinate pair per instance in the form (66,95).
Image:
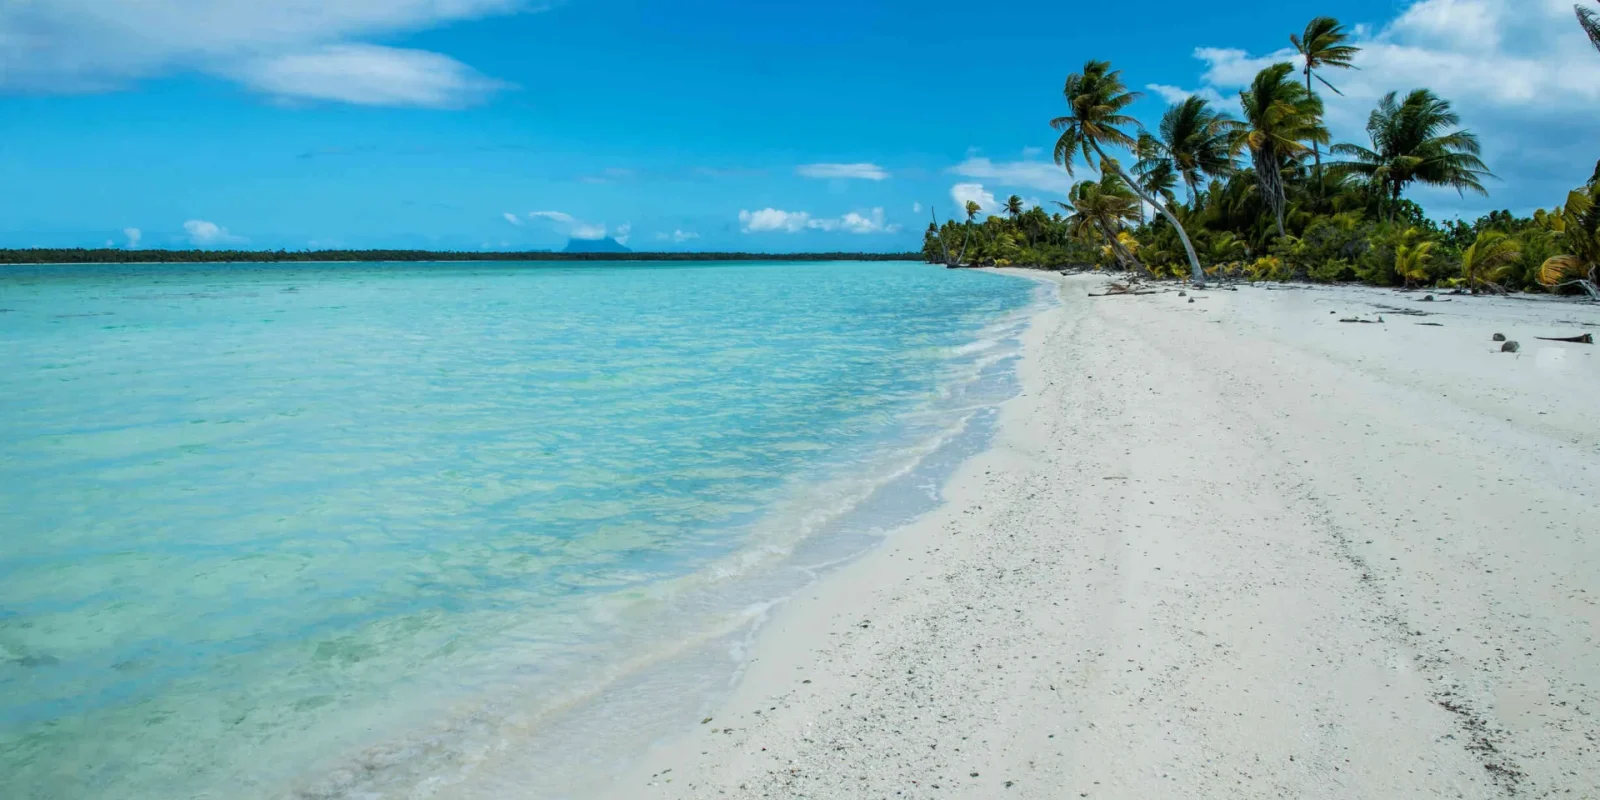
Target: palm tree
(1323,45)
(1193,139)
(1411,256)
(972,210)
(1155,174)
(1578,225)
(1280,117)
(1412,141)
(1034,222)
(1013,206)
(1590,22)
(1485,262)
(1097,98)
(1103,207)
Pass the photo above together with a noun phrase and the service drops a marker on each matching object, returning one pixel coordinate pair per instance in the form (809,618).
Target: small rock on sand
(1510,347)
(1499,337)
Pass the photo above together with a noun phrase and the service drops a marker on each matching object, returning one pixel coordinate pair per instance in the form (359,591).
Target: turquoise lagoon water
(372,530)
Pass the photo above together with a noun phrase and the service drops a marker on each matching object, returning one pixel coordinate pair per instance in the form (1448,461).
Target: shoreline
(829,518)
(1218,548)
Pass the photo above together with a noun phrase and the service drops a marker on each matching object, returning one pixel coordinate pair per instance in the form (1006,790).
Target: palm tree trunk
(1271,181)
(1316,149)
(1197,276)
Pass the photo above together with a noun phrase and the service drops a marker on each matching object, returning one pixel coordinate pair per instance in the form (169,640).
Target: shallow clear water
(259,523)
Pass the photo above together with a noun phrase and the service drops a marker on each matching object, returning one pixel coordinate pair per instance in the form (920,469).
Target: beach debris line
(1364,321)
(1117,289)
(1587,338)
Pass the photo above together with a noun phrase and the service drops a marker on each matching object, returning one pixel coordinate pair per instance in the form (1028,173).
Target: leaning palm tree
(1486,261)
(1323,46)
(1193,139)
(1013,206)
(1103,208)
(1412,141)
(1097,98)
(1590,22)
(1280,118)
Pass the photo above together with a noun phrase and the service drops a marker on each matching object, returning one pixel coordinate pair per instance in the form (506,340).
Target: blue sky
(515,124)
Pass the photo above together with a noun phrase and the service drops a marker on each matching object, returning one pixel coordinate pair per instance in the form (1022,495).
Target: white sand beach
(1229,548)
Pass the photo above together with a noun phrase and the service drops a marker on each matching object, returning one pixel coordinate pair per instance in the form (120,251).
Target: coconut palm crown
(1282,119)
(1415,140)
(1193,140)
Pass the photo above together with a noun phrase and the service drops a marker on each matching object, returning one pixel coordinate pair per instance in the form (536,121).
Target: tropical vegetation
(1257,189)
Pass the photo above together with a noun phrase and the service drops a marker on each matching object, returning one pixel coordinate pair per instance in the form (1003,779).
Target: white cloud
(558,216)
(916,208)
(1520,72)
(513,219)
(581,230)
(203,233)
(677,237)
(97,45)
(854,222)
(134,235)
(1044,175)
(368,75)
(771,219)
(868,172)
(962,192)
(1176,94)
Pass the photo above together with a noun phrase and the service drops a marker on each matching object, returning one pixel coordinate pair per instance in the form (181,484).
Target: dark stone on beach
(1427,298)
(1183,294)
(1510,347)
(1499,337)
(1191,299)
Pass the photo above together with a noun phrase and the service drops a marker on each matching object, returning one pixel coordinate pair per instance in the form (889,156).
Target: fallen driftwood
(1432,324)
(1116,289)
(1410,312)
(1584,339)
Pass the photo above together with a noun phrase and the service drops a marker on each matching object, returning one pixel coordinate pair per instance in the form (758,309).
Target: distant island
(606,245)
(121,256)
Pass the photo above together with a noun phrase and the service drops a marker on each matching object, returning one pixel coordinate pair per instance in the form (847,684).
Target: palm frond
(1590,22)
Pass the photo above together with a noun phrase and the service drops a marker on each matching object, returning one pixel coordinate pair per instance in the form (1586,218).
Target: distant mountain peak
(607,245)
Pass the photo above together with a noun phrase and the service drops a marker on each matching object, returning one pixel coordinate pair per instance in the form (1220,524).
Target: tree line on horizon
(119,256)
(1263,193)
